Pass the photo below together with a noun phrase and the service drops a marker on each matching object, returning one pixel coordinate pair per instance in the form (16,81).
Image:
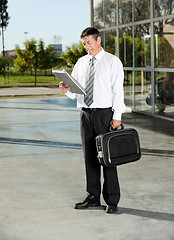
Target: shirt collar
(99,55)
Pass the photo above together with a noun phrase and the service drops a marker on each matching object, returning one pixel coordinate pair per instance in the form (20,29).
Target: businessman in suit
(102,75)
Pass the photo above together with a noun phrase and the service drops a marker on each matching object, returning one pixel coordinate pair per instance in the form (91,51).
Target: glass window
(110,13)
(126,46)
(143,91)
(163,7)
(141,10)
(128,88)
(142,45)
(110,41)
(102,34)
(164,43)
(164,93)
(125,11)
(98,14)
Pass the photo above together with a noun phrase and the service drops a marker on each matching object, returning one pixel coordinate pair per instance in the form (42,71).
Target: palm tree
(4,18)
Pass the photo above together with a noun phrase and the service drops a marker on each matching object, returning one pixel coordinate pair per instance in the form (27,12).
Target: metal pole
(152,59)
(25,35)
(91,12)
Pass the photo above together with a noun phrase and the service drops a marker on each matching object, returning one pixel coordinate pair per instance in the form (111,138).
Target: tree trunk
(35,75)
(3,47)
(3,52)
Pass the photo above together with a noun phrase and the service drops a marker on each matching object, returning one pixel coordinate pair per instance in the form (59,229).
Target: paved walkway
(42,176)
(28,91)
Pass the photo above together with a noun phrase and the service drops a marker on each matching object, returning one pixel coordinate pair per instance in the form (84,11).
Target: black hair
(90,31)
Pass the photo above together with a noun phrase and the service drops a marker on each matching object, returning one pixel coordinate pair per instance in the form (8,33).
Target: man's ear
(99,39)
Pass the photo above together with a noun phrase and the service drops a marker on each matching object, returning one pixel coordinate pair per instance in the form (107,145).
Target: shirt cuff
(70,95)
(117,116)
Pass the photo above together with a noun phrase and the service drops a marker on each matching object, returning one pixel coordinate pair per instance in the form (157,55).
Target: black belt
(94,109)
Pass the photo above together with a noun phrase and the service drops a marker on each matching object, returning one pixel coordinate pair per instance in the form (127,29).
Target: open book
(67,79)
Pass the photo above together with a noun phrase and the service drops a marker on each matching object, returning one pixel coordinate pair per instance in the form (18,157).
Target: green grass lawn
(27,80)
(14,79)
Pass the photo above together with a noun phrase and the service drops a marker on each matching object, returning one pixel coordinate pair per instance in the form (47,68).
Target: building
(10,53)
(11,56)
(141,34)
(58,48)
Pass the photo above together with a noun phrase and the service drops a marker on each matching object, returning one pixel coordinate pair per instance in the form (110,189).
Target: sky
(53,21)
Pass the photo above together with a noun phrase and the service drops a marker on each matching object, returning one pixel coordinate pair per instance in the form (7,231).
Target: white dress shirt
(108,82)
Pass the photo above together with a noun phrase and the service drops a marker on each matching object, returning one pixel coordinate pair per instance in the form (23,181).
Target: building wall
(141,34)
(58,48)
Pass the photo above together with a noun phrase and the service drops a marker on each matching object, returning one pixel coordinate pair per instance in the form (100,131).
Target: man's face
(91,45)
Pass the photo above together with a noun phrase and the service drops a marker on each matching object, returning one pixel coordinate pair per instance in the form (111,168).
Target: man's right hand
(63,87)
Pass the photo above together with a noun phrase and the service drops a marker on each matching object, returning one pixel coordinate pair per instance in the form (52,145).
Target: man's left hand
(115,123)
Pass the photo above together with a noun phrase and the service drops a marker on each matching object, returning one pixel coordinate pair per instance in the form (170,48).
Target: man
(101,107)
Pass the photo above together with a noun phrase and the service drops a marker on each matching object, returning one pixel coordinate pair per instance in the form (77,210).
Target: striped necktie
(88,99)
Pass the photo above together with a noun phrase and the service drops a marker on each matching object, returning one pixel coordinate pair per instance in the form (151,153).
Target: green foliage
(110,45)
(26,59)
(35,56)
(3,62)
(4,18)
(46,56)
(126,46)
(73,53)
(139,52)
(166,53)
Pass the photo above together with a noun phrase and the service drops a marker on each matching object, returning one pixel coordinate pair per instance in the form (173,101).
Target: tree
(27,59)
(4,18)
(3,62)
(73,53)
(35,56)
(108,15)
(126,50)
(20,63)
(46,56)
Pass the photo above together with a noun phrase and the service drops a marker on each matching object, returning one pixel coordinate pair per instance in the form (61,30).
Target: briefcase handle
(116,129)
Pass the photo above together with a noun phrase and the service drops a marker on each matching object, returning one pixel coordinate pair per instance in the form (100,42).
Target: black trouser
(94,122)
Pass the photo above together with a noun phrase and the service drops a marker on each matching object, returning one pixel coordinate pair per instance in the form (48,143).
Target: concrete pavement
(42,176)
(28,91)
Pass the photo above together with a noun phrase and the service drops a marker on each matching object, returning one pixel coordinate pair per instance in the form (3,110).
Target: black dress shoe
(112,209)
(91,202)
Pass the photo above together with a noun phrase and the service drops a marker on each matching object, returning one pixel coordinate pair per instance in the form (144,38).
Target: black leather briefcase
(118,147)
